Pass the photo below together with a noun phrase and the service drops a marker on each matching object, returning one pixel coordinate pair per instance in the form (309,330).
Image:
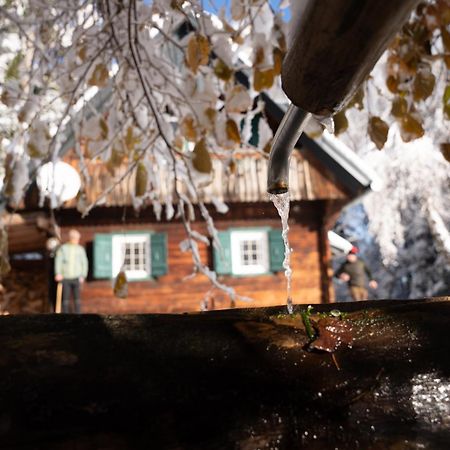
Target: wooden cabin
(325,176)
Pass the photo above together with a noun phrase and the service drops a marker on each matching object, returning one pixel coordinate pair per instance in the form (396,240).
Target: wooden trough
(237,379)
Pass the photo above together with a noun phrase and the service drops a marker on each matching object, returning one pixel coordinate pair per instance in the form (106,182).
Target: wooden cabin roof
(246,183)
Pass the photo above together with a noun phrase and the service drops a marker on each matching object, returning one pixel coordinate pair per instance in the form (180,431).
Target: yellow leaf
(410,128)
(131,140)
(423,85)
(121,285)
(378,131)
(340,123)
(399,107)
(233,131)
(201,158)
(99,76)
(445,149)
(263,79)
(103,128)
(115,160)
(211,114)
(141,181)
(446,101)
(197,53)
(392,84)
(33,150)
(277,60)
(222,71)
(188,128)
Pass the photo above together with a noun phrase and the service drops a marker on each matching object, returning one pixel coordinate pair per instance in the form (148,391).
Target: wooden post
(59,289)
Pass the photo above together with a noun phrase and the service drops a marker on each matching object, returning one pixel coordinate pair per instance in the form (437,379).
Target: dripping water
(281,202)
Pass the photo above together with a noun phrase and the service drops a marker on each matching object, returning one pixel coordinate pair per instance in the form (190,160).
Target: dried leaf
(423,85)
(211,114)
(410,128)
(115,160)
(222,71)
(131,140)
(188,128)
(99,76)
(237,9)
(121,285)
(12,71)
(446,100)
(4,260)
(202,159)
(141,180)
(445,35)
(399,107)
(340,122)
(263,79)
(392,84)
(378,131)
(445,149)
(33,151)
(197,53)
(103,128)
(332,333)
(277,60)
(233,131)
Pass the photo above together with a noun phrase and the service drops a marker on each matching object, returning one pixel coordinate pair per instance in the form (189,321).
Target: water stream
(281,202)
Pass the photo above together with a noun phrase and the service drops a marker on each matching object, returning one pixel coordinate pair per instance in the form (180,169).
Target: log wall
(174,293)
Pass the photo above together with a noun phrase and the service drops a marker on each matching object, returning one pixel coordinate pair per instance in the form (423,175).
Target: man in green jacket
(71,268)
(354,271)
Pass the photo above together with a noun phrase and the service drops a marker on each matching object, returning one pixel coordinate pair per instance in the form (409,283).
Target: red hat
(354,250)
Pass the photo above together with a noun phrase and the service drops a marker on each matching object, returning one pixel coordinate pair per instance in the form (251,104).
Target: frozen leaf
(222,71)
(201,159)
(423,85)
(99,76)
(115,160)
(33,150)
(121,285)
(263,79)
(446,100)
(12,71)
(399,107)
(197,53)
(233,131)
(237,9)
(445,149)
(131,140)
(410,128)
(188,128)
(238,100)
(141,180)
(340,123)
(378,131)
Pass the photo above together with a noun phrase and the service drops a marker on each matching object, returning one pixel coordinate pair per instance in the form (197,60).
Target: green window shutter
(102,256)
(276,246)
(158,252)
(254,140)
(222,256)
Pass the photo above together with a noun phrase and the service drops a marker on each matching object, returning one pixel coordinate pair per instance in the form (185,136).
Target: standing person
(354,271)
(71,268)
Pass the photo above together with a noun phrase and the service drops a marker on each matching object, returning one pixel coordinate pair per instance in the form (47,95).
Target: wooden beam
(242,379)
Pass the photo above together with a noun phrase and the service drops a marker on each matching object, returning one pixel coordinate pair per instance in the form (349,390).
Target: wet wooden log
(242,379)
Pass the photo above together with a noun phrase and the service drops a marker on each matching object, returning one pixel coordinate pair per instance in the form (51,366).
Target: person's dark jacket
(357,271)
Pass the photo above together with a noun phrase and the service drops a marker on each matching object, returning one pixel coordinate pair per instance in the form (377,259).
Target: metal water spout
(333,46)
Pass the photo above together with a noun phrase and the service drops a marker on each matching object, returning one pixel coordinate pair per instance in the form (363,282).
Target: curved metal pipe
(288,133)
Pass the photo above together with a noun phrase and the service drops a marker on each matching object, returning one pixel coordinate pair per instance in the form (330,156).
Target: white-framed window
(249,252)
(131,253)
